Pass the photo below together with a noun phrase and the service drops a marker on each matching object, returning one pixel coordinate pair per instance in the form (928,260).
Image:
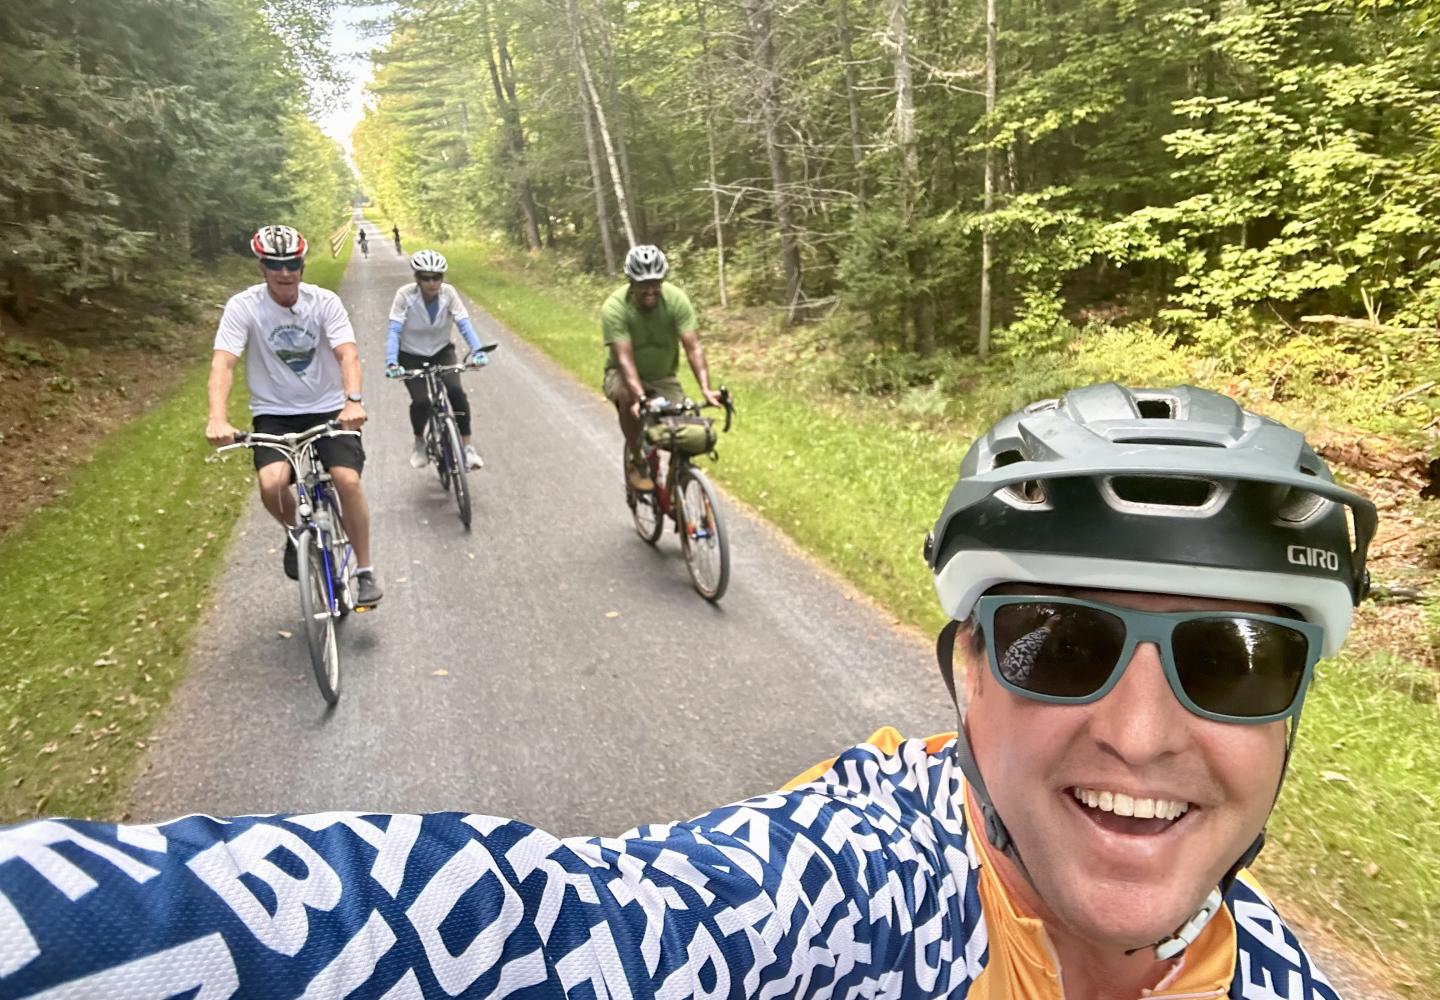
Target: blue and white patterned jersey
(862,883)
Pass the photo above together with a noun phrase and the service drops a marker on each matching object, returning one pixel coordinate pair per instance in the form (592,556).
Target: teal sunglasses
(1229,666)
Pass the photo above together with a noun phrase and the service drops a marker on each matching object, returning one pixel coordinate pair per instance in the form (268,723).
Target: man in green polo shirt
(644,325)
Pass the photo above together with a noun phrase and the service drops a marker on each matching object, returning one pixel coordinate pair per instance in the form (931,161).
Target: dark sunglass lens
(289,264)
(1239,666)
(428,277)
(1061,650)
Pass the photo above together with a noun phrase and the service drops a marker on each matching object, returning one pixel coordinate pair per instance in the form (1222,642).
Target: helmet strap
(999,837)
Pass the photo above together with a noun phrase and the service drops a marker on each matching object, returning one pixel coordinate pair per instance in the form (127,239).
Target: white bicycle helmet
(1176,491)
(428,261)
(646,263)
(277,243)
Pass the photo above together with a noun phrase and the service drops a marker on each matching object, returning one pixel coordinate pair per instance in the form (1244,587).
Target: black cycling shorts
(344,450)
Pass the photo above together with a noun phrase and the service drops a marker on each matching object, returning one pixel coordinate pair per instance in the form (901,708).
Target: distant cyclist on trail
(1138,583)
(396,231)
(364,243)
(420,319)
(644,324)
(304,369)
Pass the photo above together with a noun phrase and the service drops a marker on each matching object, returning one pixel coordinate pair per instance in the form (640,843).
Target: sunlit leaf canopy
(1177,163)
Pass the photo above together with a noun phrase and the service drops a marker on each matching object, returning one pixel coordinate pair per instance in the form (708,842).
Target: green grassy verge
(858,481)
(100,594)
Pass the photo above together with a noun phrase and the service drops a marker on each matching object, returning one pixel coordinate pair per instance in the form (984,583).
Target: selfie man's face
(1122,882)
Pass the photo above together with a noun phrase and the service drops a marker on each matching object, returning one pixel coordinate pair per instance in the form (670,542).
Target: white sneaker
(418,458)
(472,458)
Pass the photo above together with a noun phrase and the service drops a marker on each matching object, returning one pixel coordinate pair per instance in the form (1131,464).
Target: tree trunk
(708,83)
(763,44)
(588,82)
(852,99)
(990,42)
(613,91)
(502,81)
(898,38)
(602,213)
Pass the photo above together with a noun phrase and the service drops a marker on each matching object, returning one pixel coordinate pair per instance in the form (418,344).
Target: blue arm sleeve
(392,343)
(467,330)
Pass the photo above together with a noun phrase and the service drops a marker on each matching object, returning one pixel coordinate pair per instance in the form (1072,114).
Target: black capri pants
(420,402)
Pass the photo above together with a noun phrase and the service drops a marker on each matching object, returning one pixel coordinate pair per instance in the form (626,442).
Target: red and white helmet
(277,243)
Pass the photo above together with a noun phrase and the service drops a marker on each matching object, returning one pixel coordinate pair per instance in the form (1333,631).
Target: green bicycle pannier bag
(686,435)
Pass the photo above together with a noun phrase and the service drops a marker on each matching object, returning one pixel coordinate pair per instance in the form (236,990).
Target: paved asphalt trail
(552,711)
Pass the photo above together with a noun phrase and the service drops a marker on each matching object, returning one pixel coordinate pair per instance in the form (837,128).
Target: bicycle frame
(313,493)
(439,399)
(666,492)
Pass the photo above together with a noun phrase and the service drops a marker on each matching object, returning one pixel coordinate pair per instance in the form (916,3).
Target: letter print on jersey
(294,345)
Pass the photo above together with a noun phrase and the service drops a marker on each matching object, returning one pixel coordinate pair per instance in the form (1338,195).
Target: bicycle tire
(435,448)
(318,623)
(458,476)
(644,506)
(703,539)
(344,567)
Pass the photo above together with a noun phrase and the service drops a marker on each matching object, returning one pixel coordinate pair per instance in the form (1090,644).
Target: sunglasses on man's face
(429,277)
(1228,666)
(286,264)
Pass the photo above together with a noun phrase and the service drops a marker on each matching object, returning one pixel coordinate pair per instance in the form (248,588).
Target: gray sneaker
(367,589)
(418,458)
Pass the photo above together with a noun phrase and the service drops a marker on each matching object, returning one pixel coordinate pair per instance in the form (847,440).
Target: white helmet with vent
(646,263)
(428,261)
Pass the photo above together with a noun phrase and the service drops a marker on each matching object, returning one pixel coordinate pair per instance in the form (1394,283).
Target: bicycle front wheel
(703,540)
(437,447)
(318,622)
(456,449)
(644,507)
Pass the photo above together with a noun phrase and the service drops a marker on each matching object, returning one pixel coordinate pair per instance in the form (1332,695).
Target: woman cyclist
(420,319)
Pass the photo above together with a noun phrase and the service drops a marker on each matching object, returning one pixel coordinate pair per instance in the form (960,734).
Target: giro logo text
(1302,555)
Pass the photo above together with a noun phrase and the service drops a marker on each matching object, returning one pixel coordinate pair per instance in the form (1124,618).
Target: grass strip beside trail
(1356,839)
(100,594)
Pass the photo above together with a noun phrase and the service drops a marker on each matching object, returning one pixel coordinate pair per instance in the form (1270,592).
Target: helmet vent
(1030,491)
(1163,491)
(1156,409)
(1299,506)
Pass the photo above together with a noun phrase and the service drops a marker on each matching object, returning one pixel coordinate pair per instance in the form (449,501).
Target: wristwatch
(355,397)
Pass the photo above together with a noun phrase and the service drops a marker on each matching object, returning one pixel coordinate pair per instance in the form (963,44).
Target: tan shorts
(616,392)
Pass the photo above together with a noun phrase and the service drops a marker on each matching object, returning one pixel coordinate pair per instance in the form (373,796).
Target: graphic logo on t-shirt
(294,345)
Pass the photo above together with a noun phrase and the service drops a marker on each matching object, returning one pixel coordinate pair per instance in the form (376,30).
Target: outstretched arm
(788,894)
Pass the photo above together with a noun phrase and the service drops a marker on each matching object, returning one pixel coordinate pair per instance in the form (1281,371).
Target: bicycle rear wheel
(319,624)
(644,506)
(703,540)
(458,478)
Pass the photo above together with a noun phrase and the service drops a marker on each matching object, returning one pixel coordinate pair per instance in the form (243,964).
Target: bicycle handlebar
(409,373)
(287,442)
(658,406)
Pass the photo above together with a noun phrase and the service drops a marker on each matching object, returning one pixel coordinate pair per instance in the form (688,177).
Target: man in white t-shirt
(420,320)
(303,370)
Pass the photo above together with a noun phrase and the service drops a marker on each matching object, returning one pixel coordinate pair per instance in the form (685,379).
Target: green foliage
(129,128)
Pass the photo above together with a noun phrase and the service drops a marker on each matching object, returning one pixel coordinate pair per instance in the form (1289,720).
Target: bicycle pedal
(361,609)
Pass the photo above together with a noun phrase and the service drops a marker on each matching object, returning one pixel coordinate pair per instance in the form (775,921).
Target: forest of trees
(1248,161)
(133,128)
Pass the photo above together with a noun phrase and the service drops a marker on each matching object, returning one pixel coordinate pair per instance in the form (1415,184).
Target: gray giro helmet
(1175,490)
